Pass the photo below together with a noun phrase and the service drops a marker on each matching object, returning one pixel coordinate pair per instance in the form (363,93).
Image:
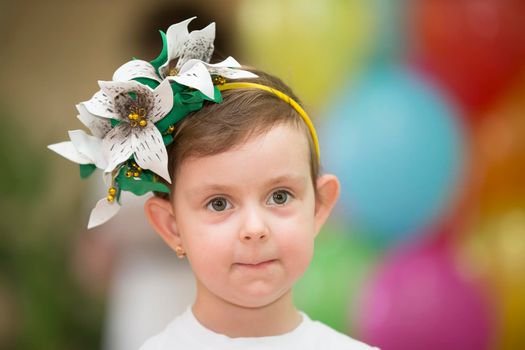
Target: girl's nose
(257,236)
(254,227)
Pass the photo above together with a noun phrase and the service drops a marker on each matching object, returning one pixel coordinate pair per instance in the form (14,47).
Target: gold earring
(180,252)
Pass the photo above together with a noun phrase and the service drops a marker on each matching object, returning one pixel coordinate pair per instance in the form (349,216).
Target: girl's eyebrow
(209,188)
(300,180)
(288,178)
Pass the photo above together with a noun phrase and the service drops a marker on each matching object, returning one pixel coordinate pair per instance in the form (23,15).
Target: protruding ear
(327,195)
(160,215)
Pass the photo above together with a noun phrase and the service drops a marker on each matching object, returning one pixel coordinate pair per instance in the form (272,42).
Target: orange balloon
(498,145)
(493,243)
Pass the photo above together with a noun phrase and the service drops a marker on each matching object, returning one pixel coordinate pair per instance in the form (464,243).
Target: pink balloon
(419,300)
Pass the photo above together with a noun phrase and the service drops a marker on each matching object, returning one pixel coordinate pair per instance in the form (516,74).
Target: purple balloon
(419,300)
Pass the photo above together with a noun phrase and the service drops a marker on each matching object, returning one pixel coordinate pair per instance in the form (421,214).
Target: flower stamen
(137,116)
(218,80)
(134,170)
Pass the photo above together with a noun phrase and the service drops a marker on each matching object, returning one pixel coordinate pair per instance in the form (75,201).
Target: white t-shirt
(185,332)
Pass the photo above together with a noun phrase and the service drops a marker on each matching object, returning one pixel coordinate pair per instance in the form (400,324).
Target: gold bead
(218,80)
(143,122)
(136,174)
(129,173)
(171,128)
(112,191)
(133,116)
(173,72)
(133,123)
(138,168)
(110,198)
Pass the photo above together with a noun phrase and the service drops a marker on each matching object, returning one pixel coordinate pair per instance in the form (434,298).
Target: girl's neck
(234,321)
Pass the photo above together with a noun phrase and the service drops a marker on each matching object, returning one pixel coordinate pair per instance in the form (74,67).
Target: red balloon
(474,47)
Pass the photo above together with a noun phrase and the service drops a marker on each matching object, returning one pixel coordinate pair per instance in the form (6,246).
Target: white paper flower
(184,45)
(188,54)
(122,115)
(137,107)
(107,207)
(102,212)
(98,126)
(82,149)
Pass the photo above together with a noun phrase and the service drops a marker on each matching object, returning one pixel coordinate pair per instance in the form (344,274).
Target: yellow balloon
(312,46)
(495,248)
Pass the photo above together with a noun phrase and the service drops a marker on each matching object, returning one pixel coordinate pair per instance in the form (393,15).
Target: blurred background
(420,106)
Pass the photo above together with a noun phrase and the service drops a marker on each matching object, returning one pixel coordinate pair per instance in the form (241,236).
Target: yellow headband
(285,98)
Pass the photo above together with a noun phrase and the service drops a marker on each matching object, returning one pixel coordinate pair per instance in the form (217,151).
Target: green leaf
(86,170)
(176,87)
(114,122)
(163,56)
(167,139)
(185,101)
(218,97)
(140,186)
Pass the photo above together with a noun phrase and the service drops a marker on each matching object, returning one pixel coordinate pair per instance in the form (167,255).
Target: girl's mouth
(259,265)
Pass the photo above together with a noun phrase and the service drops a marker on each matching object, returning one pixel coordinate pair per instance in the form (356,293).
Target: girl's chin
(258,298)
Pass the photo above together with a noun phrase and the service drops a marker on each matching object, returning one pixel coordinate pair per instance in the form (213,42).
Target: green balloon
(328,290)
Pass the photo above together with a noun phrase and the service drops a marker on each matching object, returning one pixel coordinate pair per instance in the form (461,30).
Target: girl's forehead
(280,152)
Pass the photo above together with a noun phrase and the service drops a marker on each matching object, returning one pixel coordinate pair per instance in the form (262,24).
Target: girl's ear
(160,215)
(327,195)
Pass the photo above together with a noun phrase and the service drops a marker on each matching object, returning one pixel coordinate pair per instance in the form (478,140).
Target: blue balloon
(396,146)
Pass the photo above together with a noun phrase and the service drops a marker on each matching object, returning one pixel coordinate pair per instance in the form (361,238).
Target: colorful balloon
(327,290)
(498,144)
(495,242)
(418,299)
(473,47)
(495,248)
(313,46)
(396,145)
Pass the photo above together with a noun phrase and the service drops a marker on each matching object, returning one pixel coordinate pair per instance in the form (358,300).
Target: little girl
(233,161)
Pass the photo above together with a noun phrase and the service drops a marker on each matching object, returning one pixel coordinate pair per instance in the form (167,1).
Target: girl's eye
(218,204)
(279,197)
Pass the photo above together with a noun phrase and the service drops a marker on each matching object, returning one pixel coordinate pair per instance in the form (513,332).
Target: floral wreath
(132,118)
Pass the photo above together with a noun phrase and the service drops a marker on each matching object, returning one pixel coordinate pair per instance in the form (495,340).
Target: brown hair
(243,113)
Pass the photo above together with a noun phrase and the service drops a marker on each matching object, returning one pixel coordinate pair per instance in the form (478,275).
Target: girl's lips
(260,265)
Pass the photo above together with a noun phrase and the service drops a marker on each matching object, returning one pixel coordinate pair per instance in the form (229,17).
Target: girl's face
(246,217)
